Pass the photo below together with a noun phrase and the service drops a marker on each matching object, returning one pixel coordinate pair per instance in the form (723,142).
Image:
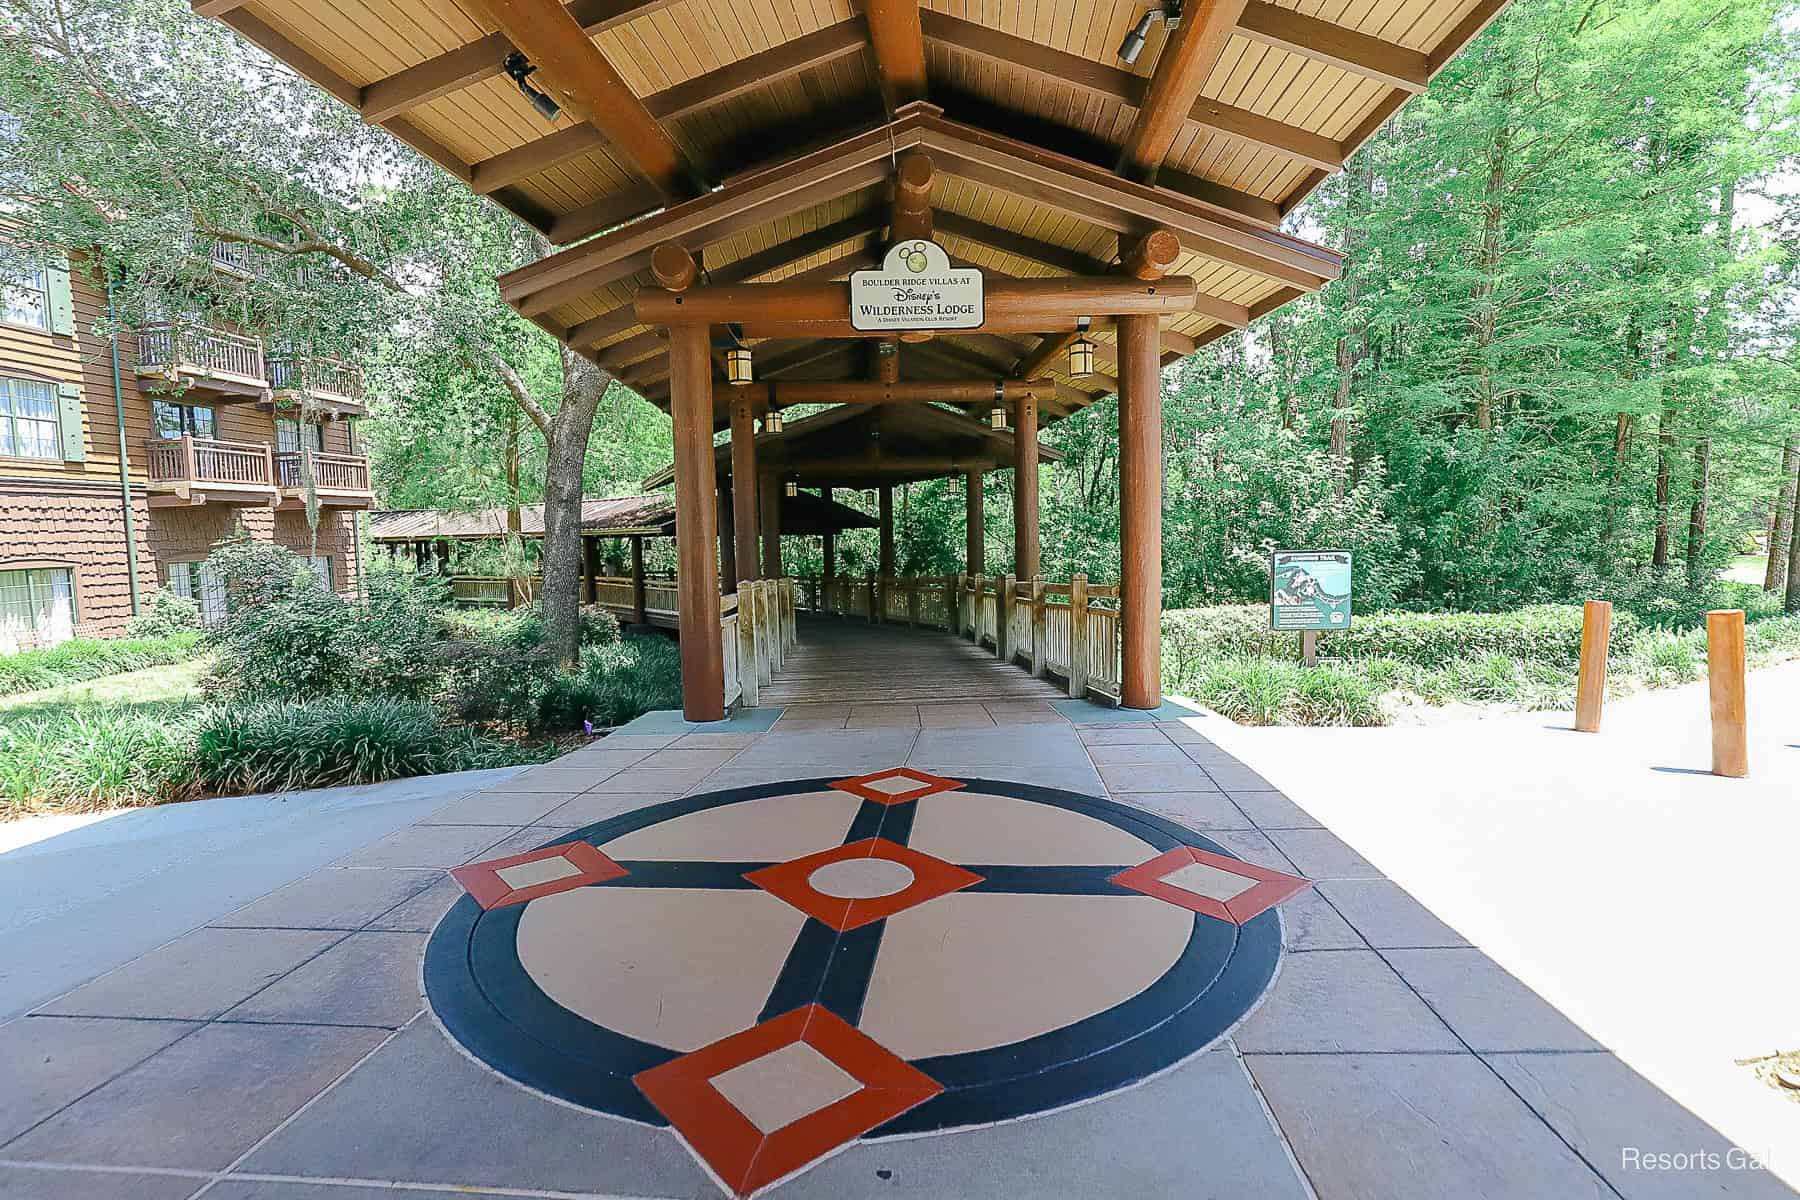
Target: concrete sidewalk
(1650,902)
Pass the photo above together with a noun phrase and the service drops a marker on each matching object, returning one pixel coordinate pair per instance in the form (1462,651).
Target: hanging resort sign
(916,288)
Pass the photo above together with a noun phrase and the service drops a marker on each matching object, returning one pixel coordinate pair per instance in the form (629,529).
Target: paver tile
(635,741)
(558,777)
(1337,1001)
(1136,734)
(499,808)
(1484,1004)
(422,913)
(333,899)
(1321,854)
(680,758)
(36,1183)
(197,976)
(716,741)
(1253,846)
(1136,753)
(1156,777)
(369,978)
(1385,1126)
(598,806)
(1272,810)
(1309,923)
(1384,913)
(203,1101)
(51,1061)
(1196,810)
(428,846)
(648,779)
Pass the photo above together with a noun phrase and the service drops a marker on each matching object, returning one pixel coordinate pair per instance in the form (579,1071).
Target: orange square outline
(929,785)
(482,879)
(745,1158)
(932,877)
(1271,888)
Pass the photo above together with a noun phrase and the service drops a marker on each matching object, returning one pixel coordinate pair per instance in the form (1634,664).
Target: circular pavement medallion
(778,970)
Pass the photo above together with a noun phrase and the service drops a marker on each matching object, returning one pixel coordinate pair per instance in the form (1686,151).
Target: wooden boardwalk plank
(848,661)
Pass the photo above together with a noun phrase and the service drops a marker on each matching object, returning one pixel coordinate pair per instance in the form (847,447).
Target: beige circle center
(861,878)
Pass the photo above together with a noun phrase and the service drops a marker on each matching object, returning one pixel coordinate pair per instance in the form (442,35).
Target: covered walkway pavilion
(917,918)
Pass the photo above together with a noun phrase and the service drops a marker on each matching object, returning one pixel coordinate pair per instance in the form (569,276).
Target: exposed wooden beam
(1478,19)
(591,333)
(480,59)
(783,254)
(608,212)
(644,345)
(569,63)
(1005,240)
(911,216)
(1102,79)
(899,48)
(1187,59)
(1039,360)
(714,87)
(1357,53)
(216,8)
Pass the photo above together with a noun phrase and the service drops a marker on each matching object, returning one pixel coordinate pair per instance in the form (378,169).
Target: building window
(28,426)
(183,420)
(25,300)
(37,606)
(288,435)
(320,565)
(201,583)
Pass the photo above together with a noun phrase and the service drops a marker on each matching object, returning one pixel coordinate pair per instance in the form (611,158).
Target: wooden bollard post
(1725,674)
(1078,651)
(1590,684)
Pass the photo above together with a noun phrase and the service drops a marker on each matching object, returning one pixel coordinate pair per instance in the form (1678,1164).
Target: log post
(640,597)
(765,650)
(743,488)
(829,546)
(1005,595)
(1590,683)
(874,612)
(697,577)
(1025,487)
(886,566)
(771,525)
(1140,515)
(728,575)
(975,525)
(1725,676)
(975,609)
(1078,636)
(1040,629)
(749,677)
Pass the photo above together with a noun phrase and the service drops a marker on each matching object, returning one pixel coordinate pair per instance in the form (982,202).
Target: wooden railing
(320,376)
(1066,629)
(207,460)
(764,631)
(177,347)
(330,472)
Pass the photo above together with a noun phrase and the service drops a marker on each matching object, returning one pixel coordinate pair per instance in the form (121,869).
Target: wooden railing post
(874,612)
(1590,683)
(765,649)
(187,452)
(1004,597)
(912,602)
(975,609)
(1040,628)
(790,623)
(1725,676)
(748,678)
(1078,634)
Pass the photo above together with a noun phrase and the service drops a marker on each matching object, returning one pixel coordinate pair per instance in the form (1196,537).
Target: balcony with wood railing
(338,480)
(215,362)
(191,470)
(326,382)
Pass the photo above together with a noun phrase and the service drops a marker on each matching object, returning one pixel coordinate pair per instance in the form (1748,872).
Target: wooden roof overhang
(861,447)
(617,517)
(762,137)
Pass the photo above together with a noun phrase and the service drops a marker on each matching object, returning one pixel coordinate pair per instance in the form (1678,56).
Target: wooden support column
(771,525)
(1140,512)
(887,532)
(1025,488)
(728,574)
(975,525)
(830,554)
(898,39)
(697,577)
(912,202)
(591,560)
(743,487)
(640,596)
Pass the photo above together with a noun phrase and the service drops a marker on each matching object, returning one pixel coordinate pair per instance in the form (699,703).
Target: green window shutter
(62,303)
(68,411)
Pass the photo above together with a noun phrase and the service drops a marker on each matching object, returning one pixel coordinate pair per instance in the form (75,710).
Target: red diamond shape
(741,1154)
(792,882)
(1267,888)
(927,785)
(483,880)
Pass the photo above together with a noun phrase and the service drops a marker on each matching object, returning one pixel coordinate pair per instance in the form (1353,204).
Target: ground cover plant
(92,658)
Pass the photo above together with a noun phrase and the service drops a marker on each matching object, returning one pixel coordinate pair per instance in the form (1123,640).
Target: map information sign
(1309,590)
(916,288)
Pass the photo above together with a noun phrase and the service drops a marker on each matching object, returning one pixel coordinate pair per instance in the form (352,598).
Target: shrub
(494,682)
(93,758)
(91,658)
(169,614)
(1261,691)
(615,684)
(281,746)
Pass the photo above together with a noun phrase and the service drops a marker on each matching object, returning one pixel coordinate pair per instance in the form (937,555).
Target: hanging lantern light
(772,421)
(954,484)
(793,489)
(1081,351)
(737,365)
(997,417)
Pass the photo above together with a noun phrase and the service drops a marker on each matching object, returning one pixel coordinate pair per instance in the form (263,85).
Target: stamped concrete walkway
(282,1051)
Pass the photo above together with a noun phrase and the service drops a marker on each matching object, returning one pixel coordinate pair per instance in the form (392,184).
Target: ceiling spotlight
(519,69)
(1133,45)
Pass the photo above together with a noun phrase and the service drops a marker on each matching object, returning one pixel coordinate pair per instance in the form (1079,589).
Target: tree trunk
(1792,601)
(1696,540)
(1781,529)
(1665,448)
(583,386)
(1493,223)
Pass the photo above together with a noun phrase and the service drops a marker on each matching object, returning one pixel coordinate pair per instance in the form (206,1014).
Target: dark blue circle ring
(488,1002)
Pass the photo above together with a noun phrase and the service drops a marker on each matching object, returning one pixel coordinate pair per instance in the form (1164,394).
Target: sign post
(1309,591)
(916,288)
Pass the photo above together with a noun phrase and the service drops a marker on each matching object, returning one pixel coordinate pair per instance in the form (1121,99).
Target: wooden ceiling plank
(860,225)
(466,65)
(522,162)
(591,333)
(569,63)
(899,47)
(1346,49)
(1188,58)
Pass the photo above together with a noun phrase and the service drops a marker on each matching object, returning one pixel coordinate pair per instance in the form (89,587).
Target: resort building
(123,461)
